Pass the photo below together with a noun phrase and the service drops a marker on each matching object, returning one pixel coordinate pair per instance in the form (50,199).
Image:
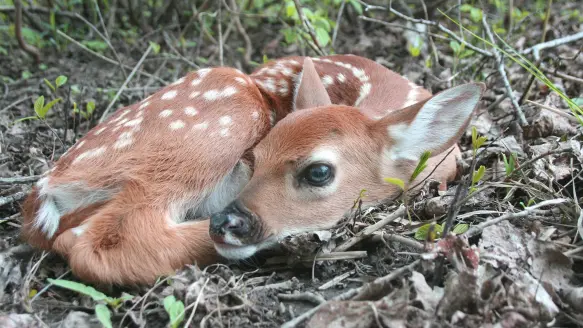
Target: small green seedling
(175,310)
(509,164)
(460,228)
(429,232)
(477,141)
(476,177)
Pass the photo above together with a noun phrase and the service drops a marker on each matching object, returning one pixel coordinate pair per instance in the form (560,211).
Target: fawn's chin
(235,252)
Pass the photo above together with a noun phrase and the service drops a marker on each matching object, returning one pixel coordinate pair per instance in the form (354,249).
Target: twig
(555,110)
(398,238)
(368,231)
(243,33)
(338,17)
(353,292)
(132,73)
(31,50)
(306,296)
(502,71)
(475,230)
(335,280)
(109,60)
(308,27)
(563,76)
(443,29)
(220,23)
(19,180)
(12,198)
(198,298)
(332,256)
(373,20)
(551,44)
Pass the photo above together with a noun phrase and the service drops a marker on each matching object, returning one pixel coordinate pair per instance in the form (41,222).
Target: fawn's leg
(130,242)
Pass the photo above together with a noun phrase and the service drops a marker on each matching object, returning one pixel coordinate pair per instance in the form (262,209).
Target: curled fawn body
(131,200)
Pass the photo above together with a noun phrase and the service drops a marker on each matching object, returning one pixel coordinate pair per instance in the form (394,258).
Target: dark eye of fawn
(318,174)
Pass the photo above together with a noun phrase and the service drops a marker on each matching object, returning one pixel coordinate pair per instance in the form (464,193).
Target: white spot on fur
(92,153)
(98,132)
(225,132)
(316,59)
(200,126)
(255,115)
(287,71)
(326,60)
(124,113)
(360,74)
(270,85)
(241,80)
(144,105)
(364,92)
(194,94)
(120,123)
(165,113)
(179,81)
(271,71)
(327,80)
(196,82)
(169,95)
(225,120)
(203,72)
(217,94)
(134,122)
(341,78)
(411,95)
(175,125)
(124,140)
(190,111)
(79,144)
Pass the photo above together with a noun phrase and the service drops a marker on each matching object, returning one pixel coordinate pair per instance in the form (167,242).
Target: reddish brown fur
(130,237)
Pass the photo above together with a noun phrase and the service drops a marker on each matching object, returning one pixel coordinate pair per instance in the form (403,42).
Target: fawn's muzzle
(235,221)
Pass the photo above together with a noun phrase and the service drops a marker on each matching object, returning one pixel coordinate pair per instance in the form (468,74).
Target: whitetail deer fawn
(130,201)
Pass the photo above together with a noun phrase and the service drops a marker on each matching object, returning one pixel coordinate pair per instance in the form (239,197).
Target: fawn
(264,155)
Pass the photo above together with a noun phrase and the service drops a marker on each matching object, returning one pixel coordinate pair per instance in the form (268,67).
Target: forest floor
(521,270)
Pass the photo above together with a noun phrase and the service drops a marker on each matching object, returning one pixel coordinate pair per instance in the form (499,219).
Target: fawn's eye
(318,175)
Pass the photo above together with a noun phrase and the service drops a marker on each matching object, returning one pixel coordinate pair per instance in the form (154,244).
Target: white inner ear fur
(438,121)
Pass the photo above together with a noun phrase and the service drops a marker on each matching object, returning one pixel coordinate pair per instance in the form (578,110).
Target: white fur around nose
(438,121)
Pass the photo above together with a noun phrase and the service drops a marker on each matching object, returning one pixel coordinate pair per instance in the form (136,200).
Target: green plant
(175,310)
(102,312)
(509,164)
(40,108)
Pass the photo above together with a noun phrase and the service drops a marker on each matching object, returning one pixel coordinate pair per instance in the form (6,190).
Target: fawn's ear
(310,90)
(434,125)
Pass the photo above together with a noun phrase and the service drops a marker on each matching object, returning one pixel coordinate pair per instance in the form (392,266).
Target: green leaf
(39,103)
(50,85)
(90,107)
(455,46)
(466,8)
(421,165)
(477,142)
(81,289)
(396,181)
(322,36)
(103,315)
(155,47)
(357,6)
(476,15)
(61,79)
(414,51)
(461,228)
(43,112)
(578,101)
(423,232)
(265,59)
(175,310)
(479,174)
(95,45)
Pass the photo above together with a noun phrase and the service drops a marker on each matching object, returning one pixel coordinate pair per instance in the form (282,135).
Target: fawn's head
(312,166)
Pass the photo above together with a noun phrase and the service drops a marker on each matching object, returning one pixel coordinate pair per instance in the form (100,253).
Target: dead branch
(306,296)
(477,229)
(12,198)
(29,49)
(551,44)
(502,71)
(555,110)
(19,180)
(368,231)
(248,45)
(563,76)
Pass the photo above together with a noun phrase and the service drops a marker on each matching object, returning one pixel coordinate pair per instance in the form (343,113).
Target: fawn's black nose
(233,219)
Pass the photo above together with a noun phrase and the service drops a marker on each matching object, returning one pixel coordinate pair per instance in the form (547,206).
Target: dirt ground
(520,264)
